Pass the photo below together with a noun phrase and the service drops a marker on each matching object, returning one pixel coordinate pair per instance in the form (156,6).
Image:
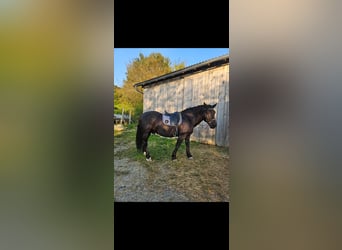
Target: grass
(160,147)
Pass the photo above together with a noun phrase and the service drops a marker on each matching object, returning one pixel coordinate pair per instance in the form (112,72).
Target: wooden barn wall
(211,86)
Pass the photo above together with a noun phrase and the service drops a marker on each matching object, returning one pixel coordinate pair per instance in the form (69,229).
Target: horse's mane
(195,108)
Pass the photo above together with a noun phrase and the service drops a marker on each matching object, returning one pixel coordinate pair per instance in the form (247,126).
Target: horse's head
(209,115)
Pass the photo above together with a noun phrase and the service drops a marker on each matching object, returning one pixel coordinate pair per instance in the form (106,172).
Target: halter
(211,121)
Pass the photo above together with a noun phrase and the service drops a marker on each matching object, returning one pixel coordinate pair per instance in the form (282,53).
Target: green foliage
(178,66)
(144,68)
(117,99)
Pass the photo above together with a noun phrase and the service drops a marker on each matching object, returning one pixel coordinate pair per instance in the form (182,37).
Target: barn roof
(211,63)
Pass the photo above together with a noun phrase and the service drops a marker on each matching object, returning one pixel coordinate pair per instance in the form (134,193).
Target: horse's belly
(166,131)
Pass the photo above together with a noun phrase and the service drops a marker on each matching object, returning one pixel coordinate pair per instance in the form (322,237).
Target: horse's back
(150,116)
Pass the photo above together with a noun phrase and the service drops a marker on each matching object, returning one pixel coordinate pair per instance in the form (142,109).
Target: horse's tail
(138,138)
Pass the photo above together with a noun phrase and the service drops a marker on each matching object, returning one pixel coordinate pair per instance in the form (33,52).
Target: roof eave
(218,61)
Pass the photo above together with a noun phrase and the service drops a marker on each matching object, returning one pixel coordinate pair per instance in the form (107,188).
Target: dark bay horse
(151,122)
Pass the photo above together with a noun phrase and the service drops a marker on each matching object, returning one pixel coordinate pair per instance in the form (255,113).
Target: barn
(207,81)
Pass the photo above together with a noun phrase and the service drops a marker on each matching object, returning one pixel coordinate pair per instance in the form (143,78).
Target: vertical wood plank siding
(210,86)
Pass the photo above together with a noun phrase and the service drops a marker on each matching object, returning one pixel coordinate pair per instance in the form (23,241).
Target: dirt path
(205,178)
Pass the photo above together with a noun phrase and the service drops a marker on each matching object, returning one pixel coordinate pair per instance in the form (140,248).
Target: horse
(152,122)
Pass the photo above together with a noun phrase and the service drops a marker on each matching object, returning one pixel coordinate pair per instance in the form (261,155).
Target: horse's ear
(204,103)
(213,106)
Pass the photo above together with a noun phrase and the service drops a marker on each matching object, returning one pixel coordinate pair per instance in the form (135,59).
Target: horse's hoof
(149,159)
(190,158)
(174,159)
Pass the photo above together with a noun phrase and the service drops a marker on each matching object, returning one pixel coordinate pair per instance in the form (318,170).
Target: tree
(141,69)
(117,99)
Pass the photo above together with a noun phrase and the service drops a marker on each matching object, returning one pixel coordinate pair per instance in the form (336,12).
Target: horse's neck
(196,119)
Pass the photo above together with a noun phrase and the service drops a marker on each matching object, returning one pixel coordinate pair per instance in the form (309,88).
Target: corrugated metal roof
(214,62)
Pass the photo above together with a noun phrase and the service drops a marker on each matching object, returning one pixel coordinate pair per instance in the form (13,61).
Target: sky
(122,57)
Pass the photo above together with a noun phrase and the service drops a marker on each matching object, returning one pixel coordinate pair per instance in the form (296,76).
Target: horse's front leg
(187,144)
(179,142)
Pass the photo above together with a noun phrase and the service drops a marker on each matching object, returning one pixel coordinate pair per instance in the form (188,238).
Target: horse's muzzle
(212,123)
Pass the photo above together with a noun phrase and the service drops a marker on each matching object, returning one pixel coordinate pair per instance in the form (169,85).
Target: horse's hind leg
(144,146)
